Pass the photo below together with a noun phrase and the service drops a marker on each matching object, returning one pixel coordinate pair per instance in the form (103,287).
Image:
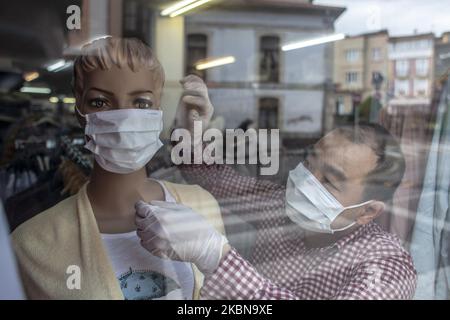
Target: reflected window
(376,54)
(401,87)
(196,50)
(341,108)
(268,113)
(137,21)
(422,67)
(402,68)
(351,77)
(421,87)
(352,55)
(269,67)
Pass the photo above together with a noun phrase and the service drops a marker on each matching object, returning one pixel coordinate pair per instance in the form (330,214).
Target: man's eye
(329,183)
(97,103)
(307,165)
(143,104)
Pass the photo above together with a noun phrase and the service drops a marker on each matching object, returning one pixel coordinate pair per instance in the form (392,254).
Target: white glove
(194,104)
(176,232)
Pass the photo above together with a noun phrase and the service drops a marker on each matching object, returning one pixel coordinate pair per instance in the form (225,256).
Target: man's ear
(370,212)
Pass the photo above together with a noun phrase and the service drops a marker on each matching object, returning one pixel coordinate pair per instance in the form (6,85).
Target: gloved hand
(174,231)
(194,104)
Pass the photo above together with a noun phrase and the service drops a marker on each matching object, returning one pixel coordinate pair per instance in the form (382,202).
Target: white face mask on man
(125,140)
(310,205)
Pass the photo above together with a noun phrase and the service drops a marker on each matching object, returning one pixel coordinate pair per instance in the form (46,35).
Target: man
(316,239)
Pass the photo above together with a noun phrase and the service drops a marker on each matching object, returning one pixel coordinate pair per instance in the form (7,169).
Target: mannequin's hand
(194,104)
(176,232)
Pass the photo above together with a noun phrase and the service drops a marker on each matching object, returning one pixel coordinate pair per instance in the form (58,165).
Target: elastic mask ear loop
(344,228)
(86,140)
(354,222)
(358,205)
(79,113)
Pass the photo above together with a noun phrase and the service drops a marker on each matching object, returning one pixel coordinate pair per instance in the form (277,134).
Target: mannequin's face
(119,88)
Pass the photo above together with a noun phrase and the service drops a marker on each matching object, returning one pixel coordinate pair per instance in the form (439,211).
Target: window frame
(190,65)
(402,67)
(352,55)
(348,77)
(425,67)
(376,57)
(261,51)
(276,106)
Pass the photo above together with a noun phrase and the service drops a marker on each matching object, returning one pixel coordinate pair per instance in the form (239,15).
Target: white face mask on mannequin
(125,140)
(310,205)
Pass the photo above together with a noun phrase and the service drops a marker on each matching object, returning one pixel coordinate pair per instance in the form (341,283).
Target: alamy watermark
(73,21)
(73,281)
(241,147)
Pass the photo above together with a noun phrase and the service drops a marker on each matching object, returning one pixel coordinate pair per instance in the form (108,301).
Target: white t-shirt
(143,276)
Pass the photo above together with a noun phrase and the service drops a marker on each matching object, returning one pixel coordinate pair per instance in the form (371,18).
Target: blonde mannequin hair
(120,52)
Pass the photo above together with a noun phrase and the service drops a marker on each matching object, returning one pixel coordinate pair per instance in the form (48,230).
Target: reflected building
(272,87)
(360,72)
(411,70)
(442,55)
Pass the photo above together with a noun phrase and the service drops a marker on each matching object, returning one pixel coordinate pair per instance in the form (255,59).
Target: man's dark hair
(382,182)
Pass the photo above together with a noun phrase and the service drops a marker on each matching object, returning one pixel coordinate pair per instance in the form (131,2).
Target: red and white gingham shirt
(368,263)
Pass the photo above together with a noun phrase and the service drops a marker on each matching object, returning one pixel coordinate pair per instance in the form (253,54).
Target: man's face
(341,166)
(119,88)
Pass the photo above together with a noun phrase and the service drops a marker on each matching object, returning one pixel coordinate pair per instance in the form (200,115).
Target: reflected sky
(371,15)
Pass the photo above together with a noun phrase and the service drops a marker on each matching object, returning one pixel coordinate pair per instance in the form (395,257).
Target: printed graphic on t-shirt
(146,285)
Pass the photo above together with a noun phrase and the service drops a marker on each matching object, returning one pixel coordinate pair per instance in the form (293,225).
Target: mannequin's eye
(143,103)
(97,103)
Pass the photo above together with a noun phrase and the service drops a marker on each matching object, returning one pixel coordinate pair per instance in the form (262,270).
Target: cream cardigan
(67,234)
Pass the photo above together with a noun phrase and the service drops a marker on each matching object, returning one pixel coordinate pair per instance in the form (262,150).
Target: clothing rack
(70,149)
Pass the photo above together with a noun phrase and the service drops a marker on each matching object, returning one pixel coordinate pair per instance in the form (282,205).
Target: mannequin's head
(117,73)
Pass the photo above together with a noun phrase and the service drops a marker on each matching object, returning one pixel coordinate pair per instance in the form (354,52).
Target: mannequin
(117,85)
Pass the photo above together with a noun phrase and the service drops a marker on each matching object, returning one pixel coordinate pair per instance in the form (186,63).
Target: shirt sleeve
(385,278)
(252,199)
(222,181)
(236,279)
